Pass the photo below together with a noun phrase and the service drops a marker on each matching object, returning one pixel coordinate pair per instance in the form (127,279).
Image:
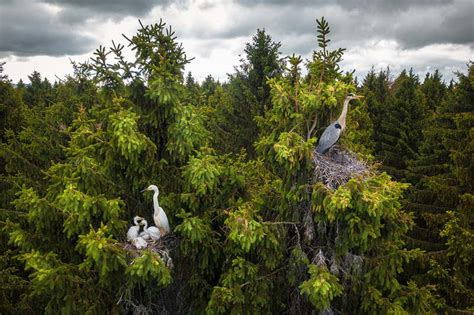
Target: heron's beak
(359,96)
(143,190)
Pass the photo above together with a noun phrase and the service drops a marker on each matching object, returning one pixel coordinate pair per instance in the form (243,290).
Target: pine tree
(434,90)
(29,146)
(249,91)
(349,220)
(11,105)
(262,62)
(194,94)
(251,233)
(38,92)
(3,77)
(376,90)
(400,131)
(442,194)
(73,213)
(13,282)
(209,86)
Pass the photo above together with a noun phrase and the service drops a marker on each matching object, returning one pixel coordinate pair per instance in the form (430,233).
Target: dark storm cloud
(294,3)
(389,6)
(118,7)
(77,11)
(365,5)
(29,29)
(455,25)
(412,23)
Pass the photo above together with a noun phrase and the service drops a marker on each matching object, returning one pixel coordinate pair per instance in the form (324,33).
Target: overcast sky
(43,35)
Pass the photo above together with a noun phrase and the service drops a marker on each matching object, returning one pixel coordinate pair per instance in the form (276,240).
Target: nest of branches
(338,166)
(162,247)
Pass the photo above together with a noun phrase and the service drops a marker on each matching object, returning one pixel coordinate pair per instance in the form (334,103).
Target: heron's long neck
(155,202)
(342,118)
(145,225)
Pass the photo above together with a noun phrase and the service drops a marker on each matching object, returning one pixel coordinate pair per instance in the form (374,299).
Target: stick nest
(337,166)
(162,247)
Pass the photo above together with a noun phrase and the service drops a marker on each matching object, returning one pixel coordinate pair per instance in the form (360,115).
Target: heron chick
(151,232)
(134,229)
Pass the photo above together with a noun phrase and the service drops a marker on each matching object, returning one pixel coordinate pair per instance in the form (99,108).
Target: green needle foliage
(253,230)
(442,194)
(400,131)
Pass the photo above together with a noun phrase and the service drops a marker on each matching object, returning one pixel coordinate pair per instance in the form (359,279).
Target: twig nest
(162,247)
(337,166)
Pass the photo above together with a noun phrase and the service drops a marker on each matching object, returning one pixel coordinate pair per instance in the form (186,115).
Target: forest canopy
(255,228)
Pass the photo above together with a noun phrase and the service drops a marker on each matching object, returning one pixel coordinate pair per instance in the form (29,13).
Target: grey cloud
(29,29)
(77,11)
(302,45)
(455,25)
(252,3)
(125,7)
(389,6)
(412,23)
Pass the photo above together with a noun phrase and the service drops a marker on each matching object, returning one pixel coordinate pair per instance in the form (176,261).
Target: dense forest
(255,228)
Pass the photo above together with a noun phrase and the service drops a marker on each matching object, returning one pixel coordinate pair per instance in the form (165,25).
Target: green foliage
(253,232)
(237,296)
(441,194)
(248,93)
(101,254)
(245,231)
(202,174)
(321,288)
(402,121)
(325,63)
(88,165)
(199,240)
(187,132)
(149,266)
(124,134)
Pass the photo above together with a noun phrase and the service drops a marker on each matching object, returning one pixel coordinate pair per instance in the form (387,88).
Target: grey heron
(134,229)
(159,215)
(334,130)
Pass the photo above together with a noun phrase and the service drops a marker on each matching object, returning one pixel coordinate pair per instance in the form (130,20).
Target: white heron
(139,243)
(334,130)
(159,215)
(134,229)
(149,232)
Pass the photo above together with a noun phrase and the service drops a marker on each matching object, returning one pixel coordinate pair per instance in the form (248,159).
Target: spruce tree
(442,195)
(434,90)
(38,92)
(250,234)
(361,221)
(74,213)
(209,86)
(401,122)
(249,91)
(376,90)
(3,77)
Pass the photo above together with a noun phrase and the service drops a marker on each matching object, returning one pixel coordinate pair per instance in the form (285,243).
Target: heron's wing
(328,138)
